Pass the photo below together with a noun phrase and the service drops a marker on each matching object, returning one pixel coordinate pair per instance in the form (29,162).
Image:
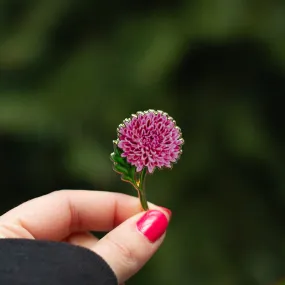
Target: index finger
(55,216)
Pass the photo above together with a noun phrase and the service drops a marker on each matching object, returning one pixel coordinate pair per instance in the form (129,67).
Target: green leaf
(117,150)
(118,159)
(113,157)
(116,156)
(121,165)
(127,173)
(132,171)
(127,178)
(122,170)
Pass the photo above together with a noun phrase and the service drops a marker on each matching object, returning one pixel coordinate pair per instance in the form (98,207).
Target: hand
(69,215)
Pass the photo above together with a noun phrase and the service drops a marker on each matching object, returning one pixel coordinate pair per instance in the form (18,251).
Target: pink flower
(150,139)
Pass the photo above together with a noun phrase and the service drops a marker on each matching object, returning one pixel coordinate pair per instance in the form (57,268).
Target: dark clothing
(31,262)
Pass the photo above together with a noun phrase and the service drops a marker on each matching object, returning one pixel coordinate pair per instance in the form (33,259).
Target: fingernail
(167,211)
(152,225)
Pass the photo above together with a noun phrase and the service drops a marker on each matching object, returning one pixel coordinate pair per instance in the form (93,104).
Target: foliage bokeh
(71,71)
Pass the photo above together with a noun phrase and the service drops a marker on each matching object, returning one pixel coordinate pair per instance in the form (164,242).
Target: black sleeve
(31,262)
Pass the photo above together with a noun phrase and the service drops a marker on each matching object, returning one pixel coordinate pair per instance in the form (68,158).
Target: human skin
(69,216)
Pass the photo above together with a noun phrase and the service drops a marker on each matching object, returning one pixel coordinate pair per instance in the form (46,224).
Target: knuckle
(126,253)
(75,220)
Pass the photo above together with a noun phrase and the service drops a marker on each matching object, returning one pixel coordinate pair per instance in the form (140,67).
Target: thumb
(129,246)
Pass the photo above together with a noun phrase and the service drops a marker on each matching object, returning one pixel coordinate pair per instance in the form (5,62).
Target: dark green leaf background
(71,71)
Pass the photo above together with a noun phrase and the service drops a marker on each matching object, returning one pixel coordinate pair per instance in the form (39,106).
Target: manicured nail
(167,211)
(152,225)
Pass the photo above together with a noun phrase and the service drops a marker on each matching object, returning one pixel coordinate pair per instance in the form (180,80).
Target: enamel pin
(146,141)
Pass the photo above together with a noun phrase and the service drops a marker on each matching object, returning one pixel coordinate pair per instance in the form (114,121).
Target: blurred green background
(71,71)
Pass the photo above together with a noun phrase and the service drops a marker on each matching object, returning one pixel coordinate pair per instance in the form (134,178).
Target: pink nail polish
(152,225)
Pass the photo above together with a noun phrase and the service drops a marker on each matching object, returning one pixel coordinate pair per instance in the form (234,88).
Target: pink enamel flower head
(150,139)
(146,141)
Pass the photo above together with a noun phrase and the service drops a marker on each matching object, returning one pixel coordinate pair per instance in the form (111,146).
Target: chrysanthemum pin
(146,141)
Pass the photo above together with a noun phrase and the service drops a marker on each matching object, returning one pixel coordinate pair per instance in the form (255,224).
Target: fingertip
(167,211)
(129,246)
(152,225)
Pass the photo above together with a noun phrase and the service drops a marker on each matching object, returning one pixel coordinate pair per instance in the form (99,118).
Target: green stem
(141,189)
